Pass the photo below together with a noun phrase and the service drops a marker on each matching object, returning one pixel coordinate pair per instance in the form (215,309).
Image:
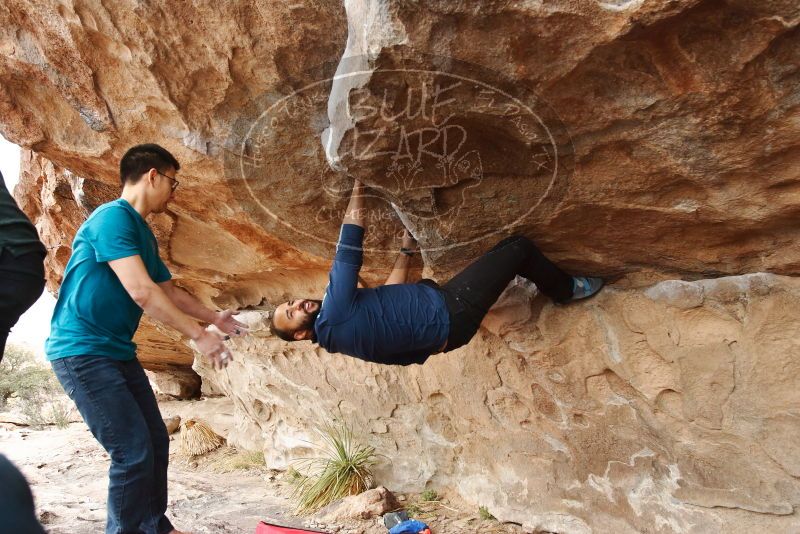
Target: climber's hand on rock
(409,242)
(211,344)
(226,323)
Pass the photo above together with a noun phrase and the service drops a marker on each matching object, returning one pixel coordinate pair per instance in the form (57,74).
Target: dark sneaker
(585,286)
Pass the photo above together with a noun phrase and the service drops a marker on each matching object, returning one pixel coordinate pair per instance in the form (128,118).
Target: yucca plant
(343,469)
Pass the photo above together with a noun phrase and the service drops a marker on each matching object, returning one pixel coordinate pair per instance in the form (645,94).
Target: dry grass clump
(197,438)
(238,460)
(429,495)
(344,469)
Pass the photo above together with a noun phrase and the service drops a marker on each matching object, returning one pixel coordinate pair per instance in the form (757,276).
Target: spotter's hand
(226,323)
(211,345)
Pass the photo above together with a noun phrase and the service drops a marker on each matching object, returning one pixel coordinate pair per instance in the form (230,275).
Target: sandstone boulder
(655,143)
(366,505)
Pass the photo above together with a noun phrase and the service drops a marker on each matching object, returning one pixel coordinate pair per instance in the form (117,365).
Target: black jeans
(471,293)
(21,283)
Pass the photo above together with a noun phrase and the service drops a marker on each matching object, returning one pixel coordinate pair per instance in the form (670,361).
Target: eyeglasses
(174,181)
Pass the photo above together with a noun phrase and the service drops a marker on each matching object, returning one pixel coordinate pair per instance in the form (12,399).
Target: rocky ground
(67,472)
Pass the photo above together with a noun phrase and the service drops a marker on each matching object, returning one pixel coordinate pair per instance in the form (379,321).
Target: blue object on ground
(412,526)
(393,519)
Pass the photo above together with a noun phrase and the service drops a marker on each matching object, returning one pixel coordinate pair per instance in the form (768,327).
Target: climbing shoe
(585,286)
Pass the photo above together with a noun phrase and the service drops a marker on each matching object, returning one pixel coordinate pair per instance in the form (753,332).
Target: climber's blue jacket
(397,324)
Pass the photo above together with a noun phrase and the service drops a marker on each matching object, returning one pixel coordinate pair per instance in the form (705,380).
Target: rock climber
(113,275)
(401,323)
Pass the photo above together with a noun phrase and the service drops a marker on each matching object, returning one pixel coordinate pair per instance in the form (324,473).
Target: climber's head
(150,170)
(294,320)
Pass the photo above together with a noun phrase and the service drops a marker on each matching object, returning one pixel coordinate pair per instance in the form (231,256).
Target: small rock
(371,503)
(46,517)
(173,424)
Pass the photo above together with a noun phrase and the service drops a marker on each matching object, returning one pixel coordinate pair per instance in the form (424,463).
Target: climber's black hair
(141,158)
(283,334)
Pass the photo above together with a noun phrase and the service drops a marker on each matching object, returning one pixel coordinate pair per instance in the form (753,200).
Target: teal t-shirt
(94,315)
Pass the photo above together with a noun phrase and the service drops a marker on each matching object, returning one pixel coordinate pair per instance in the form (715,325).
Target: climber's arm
(399,274)
(343,279)
(356,212)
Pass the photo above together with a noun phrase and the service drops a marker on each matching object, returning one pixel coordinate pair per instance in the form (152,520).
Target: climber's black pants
(21,283)
(471,293)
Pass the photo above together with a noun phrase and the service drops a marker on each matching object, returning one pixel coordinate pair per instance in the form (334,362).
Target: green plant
(344,469)
(484,513)
(291,475)
(59,414)
(429,495)
(413,510)
(43,407)
(32,406)
(23,377)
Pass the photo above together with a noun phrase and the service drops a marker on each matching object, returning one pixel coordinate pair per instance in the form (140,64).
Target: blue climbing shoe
(585,286)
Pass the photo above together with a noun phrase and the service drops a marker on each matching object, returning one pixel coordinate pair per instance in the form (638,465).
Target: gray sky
(34,326)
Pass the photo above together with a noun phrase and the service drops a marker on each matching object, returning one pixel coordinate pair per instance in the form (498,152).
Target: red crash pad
(269,528)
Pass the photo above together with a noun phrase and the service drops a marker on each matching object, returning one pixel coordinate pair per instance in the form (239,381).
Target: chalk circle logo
(453,151)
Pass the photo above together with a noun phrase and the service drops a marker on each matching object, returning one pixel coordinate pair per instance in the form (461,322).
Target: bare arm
(399,274)
(191,306)
(152,299)
(186,302)
(356,213)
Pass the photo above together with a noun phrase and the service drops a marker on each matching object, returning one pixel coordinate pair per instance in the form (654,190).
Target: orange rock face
(657,143)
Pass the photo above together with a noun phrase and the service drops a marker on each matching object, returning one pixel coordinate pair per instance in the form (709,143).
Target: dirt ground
(67,470)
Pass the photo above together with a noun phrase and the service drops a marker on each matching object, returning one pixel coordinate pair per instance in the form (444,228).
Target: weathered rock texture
(371,503)
(657,142)
(672,409)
